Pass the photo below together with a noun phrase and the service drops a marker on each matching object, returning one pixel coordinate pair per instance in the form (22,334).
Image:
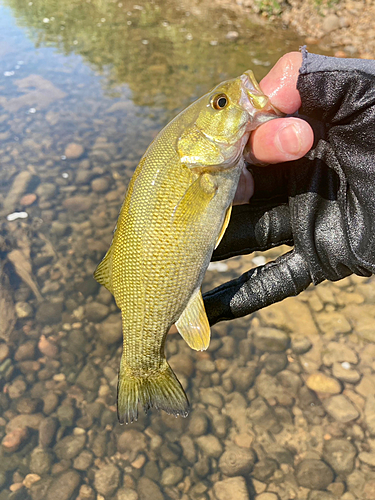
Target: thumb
(260,287)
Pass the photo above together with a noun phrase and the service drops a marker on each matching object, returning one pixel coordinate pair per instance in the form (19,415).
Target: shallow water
(283,401)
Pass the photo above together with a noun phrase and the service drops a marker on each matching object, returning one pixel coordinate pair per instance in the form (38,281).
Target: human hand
(282,139)
(322,204)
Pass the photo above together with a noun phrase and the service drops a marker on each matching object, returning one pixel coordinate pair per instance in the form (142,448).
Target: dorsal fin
(103,273)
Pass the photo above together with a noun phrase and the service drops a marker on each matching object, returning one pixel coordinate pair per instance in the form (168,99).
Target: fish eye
(219,101)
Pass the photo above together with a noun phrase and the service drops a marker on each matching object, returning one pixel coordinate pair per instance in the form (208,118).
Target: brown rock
(47,348)
(28,199)
(12,441)
(319,382)
(73,151)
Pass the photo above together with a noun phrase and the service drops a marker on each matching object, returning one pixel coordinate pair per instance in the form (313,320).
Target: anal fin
(193,324)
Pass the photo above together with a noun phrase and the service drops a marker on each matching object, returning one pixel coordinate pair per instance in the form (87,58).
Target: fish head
(223,121)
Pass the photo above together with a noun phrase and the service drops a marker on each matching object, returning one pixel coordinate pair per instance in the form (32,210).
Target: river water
(283,401)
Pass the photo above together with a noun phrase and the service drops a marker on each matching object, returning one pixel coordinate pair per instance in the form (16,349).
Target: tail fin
(160,390)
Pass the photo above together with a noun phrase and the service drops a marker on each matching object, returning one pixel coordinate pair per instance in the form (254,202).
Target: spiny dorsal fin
(225,225)
(103,273)
(193,323)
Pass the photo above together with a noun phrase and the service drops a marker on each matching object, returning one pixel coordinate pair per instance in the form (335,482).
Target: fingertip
(281,140)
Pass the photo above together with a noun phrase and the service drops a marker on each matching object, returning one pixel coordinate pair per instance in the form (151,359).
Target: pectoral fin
(193,323)
(196,199)
(225,225)
(103,273)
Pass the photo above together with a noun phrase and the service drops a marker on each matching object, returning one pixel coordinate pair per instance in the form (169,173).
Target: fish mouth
(255,102)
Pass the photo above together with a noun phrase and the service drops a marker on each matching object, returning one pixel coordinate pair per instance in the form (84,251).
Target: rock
(220,425)
(212,397)
(70,446)
(232,35)
(95,311)
(188,448)
(367,458)
(206,366)
(49,313)
(126,494)
(107,479)
(65,415)
(25,351)
(100,185)
(84,460)
(344,373)
(58,228)
(40,461)
(131,441)
(319,382)
(267,496)
(198,423)
(4,352)
(331,23)
(30,479)
(73,151)
(172,475)
(233,488)
(17,389)
(301,345)
(264,469)
(270,340)
(340,408)
(47,429)
(77,203)
(314,474)
(28,199)
(86,493)
(236,461)
(370,414)
(243,377)
(110,330)
(50,401)
(63,487)
(24,420)
(340,455)
(47,347)
(148,490)
(336,352)
(210,445)
(228,347)
(13,440)
(89,378)
(333,323)
(46,190)
(366,387)
(23,310)
(276,362)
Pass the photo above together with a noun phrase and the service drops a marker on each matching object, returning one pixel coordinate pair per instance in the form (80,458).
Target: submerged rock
(107,479)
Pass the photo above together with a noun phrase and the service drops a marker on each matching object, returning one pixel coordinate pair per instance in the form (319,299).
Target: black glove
(322,204)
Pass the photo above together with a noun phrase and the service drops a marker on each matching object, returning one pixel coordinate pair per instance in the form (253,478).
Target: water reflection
(283,401)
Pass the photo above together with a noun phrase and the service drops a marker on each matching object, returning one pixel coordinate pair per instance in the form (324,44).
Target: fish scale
(176,209)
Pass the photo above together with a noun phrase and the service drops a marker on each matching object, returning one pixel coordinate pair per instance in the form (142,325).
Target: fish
(175,212)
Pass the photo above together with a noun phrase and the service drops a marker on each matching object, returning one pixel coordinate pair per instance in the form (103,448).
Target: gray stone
(172,475)
(69,447)
(63,487)
(46,190)
(233,488)
(314,474)
(340,455)
(40,461)
(210,445)
(23,310)
(106,480)
(95,311)
(340,408)
(148,490)
(88,378)
(236,461)
(270,340)
(83,460)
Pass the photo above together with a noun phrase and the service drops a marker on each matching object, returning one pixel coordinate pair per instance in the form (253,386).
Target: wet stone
(83,460)
(88,378)
(211,397)
(73,151)
(221,425)
(100,185)
(77,203)
(264,469)
(275,362)
(243,377)
(301,345)
(370,414)
(198,423)
(49,312)
(268,496)
(233,488)
(340,408)
(148,489)
(17,389)
(210,445)
(206,366)
(40,461)
(65,415)
(236,461)
(25,351)
(69,447)
(13,439)
(319,382)
(336,352)
(340,455)
(95,311)
(63,487)
(86,493)
(270,340)
(107,479)
(344,373)
(126,494)
(23,310)
(50,401)
(172,475)
(131,441)
(47,429)
(314,474)
(367,458)
(110,330)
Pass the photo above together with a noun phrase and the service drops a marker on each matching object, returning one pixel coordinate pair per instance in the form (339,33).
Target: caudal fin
(160,390)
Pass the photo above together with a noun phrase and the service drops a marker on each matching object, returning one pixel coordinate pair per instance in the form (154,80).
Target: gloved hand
(322,204)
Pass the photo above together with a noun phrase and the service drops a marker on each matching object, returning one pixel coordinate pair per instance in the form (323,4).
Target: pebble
(211,397)
(319,382)
(139,462)
(13,440)
(106,480)
(4,352)
(25,351)
(30,479)
(236,461)
(314,474)
(336,352)
(95,311)
(100,185)
(198,423)
(17,389)
(340,455)
(149,490)
(182,363)
(63,487)
(233,488)
(73,151)
(47,430)
(126,494)
(49,313)
(86,493)
(345,374)
(40,461)
(88,378)
(210,445)
(340,408)
(131,441)
(331,23)
(268,496)
(110,330)
(50,401)
(369,413)
(264,469)
(301,345)
(367,458)
(47,348)
(69,447)
(28,199)
(78,203)
(23,310)
(270,340)
(172,475)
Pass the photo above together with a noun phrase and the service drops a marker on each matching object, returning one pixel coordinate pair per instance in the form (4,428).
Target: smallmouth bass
(175,213)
